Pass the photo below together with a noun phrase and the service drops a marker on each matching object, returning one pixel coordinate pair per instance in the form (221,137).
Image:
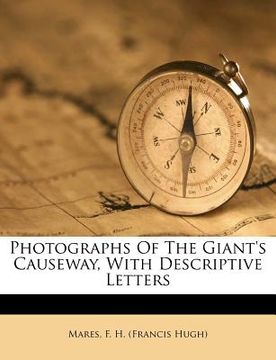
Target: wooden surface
(65,70)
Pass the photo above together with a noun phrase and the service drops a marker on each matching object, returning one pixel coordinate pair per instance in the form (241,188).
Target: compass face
(184,142)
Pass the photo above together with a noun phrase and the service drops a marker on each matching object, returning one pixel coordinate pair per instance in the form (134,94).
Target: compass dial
(184,142)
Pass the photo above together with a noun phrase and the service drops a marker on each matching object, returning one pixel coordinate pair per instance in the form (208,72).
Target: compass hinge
(230,72)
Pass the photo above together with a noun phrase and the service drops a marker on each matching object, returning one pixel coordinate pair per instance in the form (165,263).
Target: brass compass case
(186,136)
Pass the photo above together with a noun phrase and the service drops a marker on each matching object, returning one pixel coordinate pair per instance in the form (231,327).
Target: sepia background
(66,67)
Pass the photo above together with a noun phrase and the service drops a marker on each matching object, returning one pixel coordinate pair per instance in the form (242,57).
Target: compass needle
(192,144)
(187,140)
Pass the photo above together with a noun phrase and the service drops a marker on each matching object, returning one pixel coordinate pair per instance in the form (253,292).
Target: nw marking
(180,102)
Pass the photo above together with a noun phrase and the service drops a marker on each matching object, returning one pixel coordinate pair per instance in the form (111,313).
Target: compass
(186,136)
